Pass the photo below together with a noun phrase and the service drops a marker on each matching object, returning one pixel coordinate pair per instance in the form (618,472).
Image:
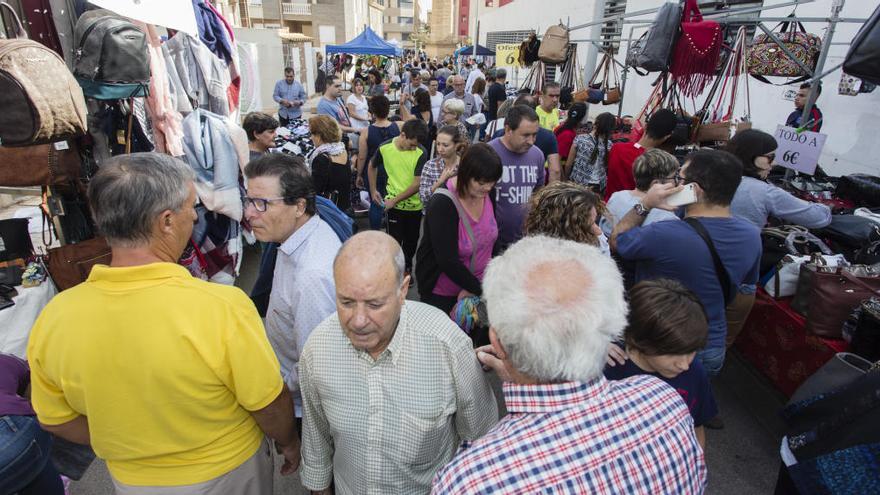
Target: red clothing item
(564,139)
(620,167)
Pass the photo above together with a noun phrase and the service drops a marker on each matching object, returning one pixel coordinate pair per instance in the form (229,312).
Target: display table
(775,341)
(16,321)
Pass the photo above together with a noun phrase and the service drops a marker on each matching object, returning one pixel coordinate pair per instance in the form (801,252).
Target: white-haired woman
(451,112)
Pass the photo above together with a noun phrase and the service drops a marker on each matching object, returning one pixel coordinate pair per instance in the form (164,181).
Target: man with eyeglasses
(280,207)
(687,251)
(458,93)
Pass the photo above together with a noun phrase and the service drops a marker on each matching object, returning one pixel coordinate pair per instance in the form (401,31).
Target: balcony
(297,9)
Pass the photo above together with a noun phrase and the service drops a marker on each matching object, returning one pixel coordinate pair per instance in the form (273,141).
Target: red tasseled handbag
(696,53)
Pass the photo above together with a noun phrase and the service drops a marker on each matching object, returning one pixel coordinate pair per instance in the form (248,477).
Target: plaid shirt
(430,173)
(631,436)
(387,425)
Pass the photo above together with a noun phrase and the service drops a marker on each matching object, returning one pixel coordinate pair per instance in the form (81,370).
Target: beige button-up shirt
(385,426)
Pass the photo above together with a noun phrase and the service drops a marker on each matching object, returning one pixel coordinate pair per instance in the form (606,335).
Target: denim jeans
(712,359)
(25,467)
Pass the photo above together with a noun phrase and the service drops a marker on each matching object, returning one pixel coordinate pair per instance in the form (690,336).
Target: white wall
(850,122)
(271,60)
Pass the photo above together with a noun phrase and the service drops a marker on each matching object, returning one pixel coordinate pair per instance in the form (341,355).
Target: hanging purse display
(554,45)
(597,83)
(695,57)
(717,124)
(612,93)
(652,50)
(863,58)
(767,59)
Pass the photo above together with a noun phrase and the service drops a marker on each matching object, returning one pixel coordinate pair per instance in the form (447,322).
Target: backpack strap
(464,220)
(720,272)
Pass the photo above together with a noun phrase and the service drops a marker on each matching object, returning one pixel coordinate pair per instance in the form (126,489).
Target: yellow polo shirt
(165,367)
(548,120)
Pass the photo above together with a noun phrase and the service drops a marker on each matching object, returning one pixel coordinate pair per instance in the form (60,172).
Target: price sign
(506,54)
(798,151)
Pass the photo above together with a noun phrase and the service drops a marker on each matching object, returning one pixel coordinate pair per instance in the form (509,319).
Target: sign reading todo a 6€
(506,54)
(798,150)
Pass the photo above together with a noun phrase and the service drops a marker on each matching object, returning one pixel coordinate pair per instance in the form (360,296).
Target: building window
(405,36)
(405,20)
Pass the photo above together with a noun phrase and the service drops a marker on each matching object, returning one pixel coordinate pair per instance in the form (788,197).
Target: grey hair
(399,264)
(130,191)
(500,74)
(548,338)
(454,105)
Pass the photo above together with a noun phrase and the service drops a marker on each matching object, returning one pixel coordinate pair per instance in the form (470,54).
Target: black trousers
(283,121)
(404,227)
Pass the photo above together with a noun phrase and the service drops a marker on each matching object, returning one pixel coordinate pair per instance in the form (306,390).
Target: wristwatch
(641,210)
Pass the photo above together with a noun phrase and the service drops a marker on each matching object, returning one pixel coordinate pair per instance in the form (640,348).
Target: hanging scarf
(695,58)
(329,148)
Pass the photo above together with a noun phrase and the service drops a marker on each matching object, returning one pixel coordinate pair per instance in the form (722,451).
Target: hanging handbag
(652,54)
(848,85)
(767,59)
(695,57)
(71,264)
(612,93)
(528,50)
(717,124)
(596,89)
(863,58)
(40,165)
(554,45)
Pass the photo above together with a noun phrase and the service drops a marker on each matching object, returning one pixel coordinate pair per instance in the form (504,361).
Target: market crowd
(547,254)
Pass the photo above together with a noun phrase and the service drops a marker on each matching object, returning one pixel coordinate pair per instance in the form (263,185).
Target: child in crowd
(666,329)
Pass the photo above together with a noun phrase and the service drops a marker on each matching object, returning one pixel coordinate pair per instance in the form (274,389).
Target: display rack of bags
(695,56)
(605,83)
(716,119)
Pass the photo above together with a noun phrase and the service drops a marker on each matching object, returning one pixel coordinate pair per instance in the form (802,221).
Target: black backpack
(111,59)
(528,50)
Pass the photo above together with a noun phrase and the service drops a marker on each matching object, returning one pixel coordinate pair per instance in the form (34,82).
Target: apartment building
(326,22)
(401,20)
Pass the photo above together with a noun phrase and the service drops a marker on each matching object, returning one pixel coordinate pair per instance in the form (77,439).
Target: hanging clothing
(212,31)
(204,76)
(167,128)
(211,153)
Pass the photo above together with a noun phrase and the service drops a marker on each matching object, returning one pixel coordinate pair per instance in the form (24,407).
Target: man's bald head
(371,248)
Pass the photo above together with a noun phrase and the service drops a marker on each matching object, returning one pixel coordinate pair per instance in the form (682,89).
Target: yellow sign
(506,54)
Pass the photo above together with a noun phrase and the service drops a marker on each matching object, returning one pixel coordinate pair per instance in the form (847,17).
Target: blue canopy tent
(467,51)
(366,43)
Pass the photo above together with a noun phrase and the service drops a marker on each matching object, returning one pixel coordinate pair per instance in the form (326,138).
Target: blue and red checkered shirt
(632,436)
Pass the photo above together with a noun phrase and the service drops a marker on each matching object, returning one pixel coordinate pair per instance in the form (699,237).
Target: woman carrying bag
(459,231)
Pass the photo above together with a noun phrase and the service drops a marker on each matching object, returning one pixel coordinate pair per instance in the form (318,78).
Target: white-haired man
(568,428)
(390,387)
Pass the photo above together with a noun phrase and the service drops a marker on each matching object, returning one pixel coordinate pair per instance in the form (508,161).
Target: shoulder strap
(720,272)
(464,220)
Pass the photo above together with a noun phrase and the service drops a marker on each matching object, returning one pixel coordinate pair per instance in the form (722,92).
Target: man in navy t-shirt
(676,250)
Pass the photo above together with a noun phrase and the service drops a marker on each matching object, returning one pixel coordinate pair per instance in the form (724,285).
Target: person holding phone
(686,251)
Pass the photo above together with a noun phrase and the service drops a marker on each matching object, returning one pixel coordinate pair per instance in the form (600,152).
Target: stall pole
(624,74)
(836,7)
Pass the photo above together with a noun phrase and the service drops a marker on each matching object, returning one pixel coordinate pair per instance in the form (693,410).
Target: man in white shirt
(280,207)
(436,98)
(473,76)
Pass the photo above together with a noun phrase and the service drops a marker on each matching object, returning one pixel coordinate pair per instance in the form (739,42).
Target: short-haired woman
(567,210)
(260,129)
(459,231)
(450,113)
(328,162)
(756,199)
(654,165)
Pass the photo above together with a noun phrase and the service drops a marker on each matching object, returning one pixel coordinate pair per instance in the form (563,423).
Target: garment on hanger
(204,76)
(212,32)
(166,121)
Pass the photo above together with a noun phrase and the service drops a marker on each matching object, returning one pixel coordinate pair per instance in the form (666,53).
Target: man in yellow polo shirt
(171,379)
(548,110)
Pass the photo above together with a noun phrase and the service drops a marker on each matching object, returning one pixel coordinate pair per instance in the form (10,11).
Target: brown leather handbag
(71,264)
(834,293)
(39,165)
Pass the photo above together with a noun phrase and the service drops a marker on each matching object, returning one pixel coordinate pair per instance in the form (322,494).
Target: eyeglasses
(770,156)
(259,204)
(676,179)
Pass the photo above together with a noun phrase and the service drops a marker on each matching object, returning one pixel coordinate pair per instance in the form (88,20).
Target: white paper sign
(174,14)
(798,151)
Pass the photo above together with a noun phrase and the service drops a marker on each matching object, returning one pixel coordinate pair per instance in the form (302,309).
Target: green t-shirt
(548,120)
(402,168)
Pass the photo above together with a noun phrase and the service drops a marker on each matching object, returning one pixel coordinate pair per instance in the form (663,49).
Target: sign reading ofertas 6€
(506,54)
(798,150)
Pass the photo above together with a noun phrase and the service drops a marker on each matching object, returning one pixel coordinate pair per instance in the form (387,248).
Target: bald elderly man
(390,387)
(458,93)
